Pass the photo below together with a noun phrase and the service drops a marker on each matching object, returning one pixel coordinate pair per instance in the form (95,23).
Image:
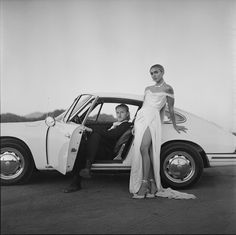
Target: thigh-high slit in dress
(151,116)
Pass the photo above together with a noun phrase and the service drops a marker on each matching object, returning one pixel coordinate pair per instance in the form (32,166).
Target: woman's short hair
(159,67)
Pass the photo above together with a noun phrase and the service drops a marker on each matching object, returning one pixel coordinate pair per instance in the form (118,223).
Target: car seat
(123,144)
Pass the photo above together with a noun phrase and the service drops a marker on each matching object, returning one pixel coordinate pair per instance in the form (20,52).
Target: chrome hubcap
(179,166)
(12,163)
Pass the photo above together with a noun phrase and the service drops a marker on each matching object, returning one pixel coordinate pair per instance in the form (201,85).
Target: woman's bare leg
(151,174)
(144,149)
(153,187)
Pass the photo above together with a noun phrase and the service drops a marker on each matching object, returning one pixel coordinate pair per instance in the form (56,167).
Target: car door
(63,139)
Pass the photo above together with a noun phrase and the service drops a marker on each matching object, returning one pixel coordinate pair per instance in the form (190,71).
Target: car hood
(18,128)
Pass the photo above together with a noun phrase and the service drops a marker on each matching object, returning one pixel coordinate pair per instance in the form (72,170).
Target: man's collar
(115,124)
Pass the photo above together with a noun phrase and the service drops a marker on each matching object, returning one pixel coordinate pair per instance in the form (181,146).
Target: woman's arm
(170,102)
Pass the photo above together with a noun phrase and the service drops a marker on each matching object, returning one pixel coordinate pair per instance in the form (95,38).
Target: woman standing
(145,168)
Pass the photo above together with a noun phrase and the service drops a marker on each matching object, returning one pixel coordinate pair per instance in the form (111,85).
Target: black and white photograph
(118,116)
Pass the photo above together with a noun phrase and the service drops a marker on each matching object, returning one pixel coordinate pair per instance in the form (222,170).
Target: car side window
(83,99)
(105,112)
(178,117)
(80,115)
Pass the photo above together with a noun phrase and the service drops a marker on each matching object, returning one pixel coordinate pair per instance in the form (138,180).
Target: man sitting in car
(100,142)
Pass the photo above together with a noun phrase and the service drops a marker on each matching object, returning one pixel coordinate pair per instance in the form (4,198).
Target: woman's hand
(180,128)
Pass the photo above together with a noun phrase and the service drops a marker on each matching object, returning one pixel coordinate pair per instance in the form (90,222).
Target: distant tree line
(10,117)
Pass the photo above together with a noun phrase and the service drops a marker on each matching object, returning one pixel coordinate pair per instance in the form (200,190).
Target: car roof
(122,96)
(126,96)
(117,95)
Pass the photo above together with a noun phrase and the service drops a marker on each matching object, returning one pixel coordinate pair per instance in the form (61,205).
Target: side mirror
(50,121)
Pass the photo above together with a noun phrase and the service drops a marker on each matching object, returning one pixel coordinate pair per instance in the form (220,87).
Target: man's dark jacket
(110,137)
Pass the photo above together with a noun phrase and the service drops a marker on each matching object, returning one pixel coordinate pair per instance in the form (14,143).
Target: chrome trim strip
(47,161)
(109,167)
(222,159)
(221,156)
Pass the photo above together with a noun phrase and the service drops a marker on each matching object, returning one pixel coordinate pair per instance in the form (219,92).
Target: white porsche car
(53,143)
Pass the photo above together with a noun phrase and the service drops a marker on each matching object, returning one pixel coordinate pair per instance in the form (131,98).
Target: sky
(52,50)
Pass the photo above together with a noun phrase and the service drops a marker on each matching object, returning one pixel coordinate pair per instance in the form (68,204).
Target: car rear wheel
(181,165)
(16,162)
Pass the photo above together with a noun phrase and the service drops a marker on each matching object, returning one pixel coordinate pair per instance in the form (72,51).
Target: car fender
(209,136)
(33,134)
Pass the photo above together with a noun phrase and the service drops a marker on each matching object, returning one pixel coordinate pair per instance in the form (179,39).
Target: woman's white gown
(151,115)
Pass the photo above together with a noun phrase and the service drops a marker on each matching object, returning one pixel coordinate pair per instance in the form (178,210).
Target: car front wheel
(16,162)
(181,165)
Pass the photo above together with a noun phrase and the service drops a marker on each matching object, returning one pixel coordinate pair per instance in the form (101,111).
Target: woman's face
(156,74)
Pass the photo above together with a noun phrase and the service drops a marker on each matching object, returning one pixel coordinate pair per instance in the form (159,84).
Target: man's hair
(159,67)
(123,106)
(126,107)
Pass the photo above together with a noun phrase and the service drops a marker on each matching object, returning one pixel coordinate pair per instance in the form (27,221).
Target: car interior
(103,115)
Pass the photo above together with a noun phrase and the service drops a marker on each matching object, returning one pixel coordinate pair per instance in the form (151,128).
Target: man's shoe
(72,188)
(85,173)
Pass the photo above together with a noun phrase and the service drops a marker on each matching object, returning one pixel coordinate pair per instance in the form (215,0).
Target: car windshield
(80,102)
(60,116)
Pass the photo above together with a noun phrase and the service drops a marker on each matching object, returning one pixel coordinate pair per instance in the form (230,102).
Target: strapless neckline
(157,93)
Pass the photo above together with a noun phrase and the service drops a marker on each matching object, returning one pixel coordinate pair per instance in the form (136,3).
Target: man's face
(121,114)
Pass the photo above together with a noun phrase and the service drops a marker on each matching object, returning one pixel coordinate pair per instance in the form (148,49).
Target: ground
(104,206)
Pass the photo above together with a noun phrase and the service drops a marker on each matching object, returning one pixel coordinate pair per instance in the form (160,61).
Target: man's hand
(88,129)
(84,128)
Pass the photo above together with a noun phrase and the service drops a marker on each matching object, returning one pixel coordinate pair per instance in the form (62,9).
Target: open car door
(63,141)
